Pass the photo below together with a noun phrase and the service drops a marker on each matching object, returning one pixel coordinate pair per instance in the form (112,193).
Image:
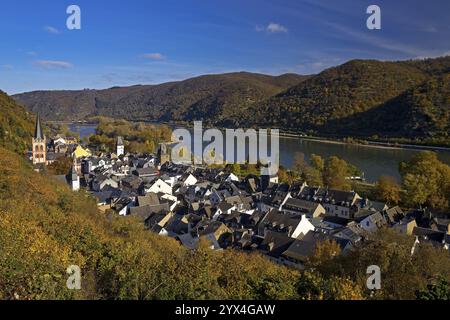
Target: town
(252,213)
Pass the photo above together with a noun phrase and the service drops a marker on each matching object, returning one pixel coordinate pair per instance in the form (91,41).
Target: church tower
(39,144)
(120,148)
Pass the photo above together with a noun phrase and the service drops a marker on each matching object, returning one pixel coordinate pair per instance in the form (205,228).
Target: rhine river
(373,161)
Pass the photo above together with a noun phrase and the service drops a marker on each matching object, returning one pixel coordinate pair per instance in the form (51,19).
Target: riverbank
(367,143)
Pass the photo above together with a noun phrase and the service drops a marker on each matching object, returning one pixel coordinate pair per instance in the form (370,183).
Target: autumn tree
(61,166)
(426,181)
(299,163)
(387,189)
(335,174)
(317,162)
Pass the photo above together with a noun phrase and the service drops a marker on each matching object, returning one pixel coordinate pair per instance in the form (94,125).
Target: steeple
(38,135)
(39,144)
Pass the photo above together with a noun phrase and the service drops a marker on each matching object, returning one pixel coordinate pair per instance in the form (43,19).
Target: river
(373,161)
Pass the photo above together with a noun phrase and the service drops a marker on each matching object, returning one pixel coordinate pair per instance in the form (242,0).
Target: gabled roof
(144,212)
(276,243)
(301,205)
(150,199)
(302,248)
(281,220)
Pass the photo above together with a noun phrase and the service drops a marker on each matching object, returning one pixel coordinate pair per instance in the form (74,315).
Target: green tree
(439,290)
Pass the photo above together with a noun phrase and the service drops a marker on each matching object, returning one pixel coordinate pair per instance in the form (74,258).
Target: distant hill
(338,92)
(207,97)
(360,97)
(422,111)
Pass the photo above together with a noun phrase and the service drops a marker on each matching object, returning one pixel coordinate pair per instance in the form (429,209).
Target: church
(39,144)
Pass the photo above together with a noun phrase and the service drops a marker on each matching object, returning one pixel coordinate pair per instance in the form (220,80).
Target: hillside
(45,228)
(16,125)
(208,97)
(422,111)
(339,92)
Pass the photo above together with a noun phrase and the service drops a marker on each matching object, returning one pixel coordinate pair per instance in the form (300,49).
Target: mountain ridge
(325,103)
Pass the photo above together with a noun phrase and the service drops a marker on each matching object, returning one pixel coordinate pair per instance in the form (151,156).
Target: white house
(159,186)
(232,178)
(303,227)
(190,180)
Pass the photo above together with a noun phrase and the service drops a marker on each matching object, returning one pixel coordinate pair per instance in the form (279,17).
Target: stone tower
(39,143)
(120,148)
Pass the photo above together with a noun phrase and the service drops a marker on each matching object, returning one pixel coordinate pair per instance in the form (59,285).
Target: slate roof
(144,212)
(276,243)
(150,199)
(303,206)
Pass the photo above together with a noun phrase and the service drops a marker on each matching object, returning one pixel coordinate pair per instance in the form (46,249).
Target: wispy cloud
(272,28)
(51,30)
(382,43)
(53,64)
(275,27)
(153,56)
(431,29)
(8,67)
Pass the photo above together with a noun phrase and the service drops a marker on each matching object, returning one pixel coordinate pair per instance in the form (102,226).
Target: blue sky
(148,42)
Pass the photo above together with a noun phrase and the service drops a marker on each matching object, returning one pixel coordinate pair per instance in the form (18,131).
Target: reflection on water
(374,162)
(84,130)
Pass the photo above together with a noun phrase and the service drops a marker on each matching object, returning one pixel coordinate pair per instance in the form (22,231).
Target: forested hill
(360,98)
(215,97)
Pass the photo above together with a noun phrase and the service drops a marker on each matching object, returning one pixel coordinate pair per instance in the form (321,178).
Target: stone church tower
(39,144)
(120,147)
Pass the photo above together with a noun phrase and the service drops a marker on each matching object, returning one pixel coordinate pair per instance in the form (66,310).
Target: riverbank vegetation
(138,137)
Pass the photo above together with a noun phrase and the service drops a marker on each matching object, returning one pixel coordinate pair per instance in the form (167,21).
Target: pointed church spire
(38,130)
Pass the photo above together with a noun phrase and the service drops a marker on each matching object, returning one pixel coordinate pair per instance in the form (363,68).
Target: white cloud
(51,30)
(53,64)
(153,56)
(8,67)
(271,28)
(275,27)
